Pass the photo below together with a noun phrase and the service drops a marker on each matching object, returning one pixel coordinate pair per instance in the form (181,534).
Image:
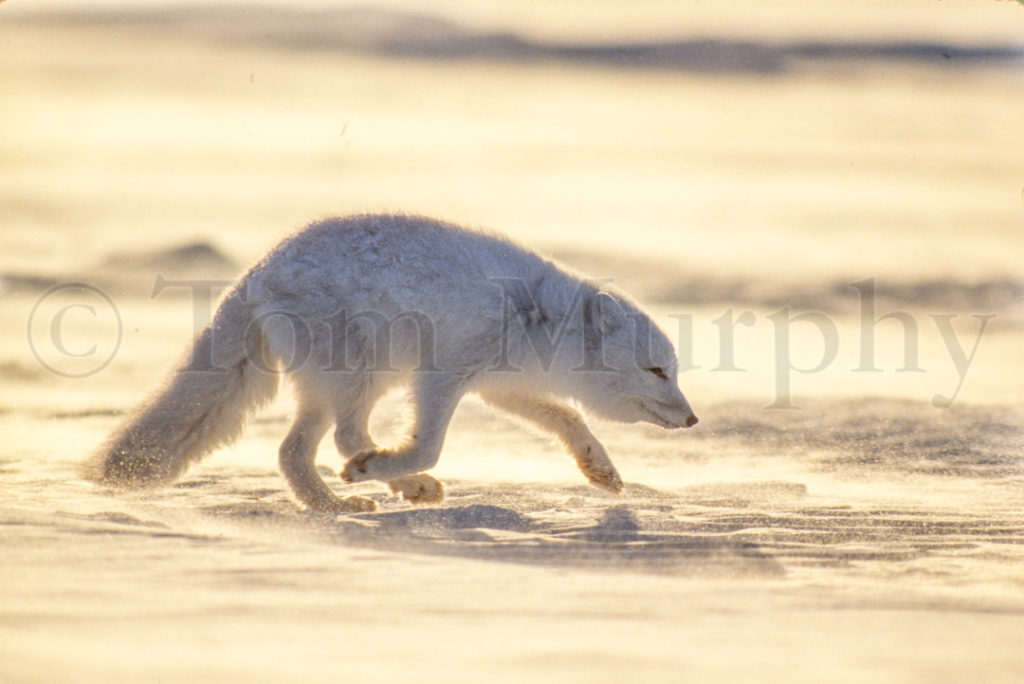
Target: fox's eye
(659,371)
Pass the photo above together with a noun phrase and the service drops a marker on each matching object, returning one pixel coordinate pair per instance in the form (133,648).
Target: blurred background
(703,156)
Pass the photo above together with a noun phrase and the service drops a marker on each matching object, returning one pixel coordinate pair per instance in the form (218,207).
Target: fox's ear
(603,313)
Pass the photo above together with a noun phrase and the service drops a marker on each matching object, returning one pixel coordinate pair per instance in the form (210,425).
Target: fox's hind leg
(354,395)
(419,489)
(297,456)
(567,424)
(352,436)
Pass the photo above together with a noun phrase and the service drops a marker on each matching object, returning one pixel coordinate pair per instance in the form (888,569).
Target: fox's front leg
(434,397)
(352,437)
(567,424)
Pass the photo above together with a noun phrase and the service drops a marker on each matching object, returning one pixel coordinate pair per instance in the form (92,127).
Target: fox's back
(394,264)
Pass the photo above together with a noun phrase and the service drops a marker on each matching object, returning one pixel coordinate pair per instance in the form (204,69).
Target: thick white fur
(468,312)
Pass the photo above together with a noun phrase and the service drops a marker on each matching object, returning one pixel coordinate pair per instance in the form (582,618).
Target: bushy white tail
(202,406)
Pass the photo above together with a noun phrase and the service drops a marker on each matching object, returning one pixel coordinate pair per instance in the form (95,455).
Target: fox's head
(630,368)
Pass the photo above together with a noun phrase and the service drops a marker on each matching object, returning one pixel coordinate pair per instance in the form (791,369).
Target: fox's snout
(671,416)
(687,422)
(679,413)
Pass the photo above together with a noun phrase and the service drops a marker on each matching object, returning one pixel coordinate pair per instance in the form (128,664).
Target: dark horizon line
(408,34)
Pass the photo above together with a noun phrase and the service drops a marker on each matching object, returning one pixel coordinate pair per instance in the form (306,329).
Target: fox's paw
(610,482)
(348,504)
(603,476)
(594,463)
(419,490)
(361,466)
(359,504)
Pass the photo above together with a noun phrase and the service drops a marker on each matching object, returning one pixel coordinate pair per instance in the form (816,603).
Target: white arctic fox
(348,308)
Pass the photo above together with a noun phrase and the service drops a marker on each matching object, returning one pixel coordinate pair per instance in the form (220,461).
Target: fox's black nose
(691,421)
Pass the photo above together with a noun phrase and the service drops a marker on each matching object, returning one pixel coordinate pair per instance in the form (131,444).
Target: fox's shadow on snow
(616,540)
(749,529)
(572,527)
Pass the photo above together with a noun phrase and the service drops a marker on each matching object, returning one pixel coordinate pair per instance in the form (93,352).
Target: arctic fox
(350,307)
